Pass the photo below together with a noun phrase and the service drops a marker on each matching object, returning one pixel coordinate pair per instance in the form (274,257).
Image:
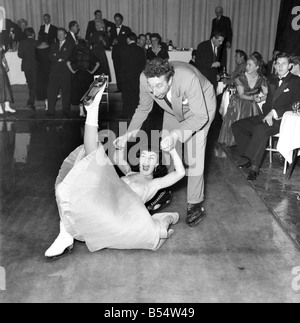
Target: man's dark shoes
(31,107)
(160,201)
(252,176)
(245,163)
(195,214)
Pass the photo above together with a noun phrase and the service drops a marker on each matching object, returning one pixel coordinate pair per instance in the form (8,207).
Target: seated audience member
(157,50)
(252,88)
(43,68)
(271,69)
(60,74)
(142,42)
(83,65)
(22,23)
(48,29)
(193,60)
(91,28)
(26,52)
(296,65)
(99,42)
(240,63)
(133,63)
(264,66)
(252,134)
(209,56)
(72,35)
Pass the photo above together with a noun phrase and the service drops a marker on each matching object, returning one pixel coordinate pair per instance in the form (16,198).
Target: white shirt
(214,48)
(1,25)
(47,27)
(61,44)
(280,83)
(73,35)
(119,29)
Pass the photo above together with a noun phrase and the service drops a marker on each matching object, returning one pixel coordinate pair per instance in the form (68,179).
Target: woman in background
(252,89)
(157,50)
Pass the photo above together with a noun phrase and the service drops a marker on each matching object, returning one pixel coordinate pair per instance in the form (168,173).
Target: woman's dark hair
(295,60)
(160,171)
(159,67)
(258,60)
(156,35)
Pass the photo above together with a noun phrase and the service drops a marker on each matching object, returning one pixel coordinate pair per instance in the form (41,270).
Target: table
(16,76)
(289,140)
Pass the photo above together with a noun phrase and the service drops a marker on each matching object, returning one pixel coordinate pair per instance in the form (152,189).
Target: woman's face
(98,26)
(251,67)
(154,41)
(23,26)
(148,162)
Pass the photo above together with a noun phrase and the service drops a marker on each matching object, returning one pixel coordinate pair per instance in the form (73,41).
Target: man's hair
(242,54)
(118,15)
(62,29)
(72,24)
(295,60)
(29,32)
(148,34)
(46,15)
(217,34)
(132,37)
(141,35)
(97,11)
(159,67)
(285,55)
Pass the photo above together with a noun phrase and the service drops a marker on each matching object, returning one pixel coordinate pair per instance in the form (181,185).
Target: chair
(271,149)
(105,93)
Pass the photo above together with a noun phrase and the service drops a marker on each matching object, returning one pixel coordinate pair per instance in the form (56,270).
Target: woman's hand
(169,143)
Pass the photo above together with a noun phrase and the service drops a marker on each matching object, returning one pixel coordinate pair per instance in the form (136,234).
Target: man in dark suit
(252,134)
(223,25)
(208,57)
(48,29)
(133,62)
(60,74)
(26,52)
(72,35)
(91,28)
(118,39)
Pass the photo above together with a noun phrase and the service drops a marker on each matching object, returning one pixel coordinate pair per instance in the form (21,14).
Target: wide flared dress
(98,207)
(240,109)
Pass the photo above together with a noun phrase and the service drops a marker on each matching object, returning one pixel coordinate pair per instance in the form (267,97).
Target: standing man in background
(48,29)
(223,25)
(118,39)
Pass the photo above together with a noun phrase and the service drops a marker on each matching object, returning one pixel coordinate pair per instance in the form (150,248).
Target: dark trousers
(130,98)
(252,135)
(59,81)
(31,79)
(118,67)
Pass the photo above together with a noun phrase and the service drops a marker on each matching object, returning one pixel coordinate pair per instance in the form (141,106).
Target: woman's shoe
(159,203)
(10,110)
(89,97)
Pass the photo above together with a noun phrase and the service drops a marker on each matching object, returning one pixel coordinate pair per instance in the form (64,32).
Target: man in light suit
(223,25)
(48,29)
(189,103)
(118,38)
(208,57)
(252,134)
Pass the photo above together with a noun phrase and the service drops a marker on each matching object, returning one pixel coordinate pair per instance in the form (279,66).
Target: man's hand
(216,65)
(269,119)
(121,142)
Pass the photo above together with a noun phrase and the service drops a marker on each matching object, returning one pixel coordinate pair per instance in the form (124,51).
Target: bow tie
(281,79)
(119,27)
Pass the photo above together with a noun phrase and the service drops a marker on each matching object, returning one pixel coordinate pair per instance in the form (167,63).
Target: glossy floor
(239,253)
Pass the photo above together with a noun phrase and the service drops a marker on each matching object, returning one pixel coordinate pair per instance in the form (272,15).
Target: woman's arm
(95,68)
(71,68)
(120,161)
(242,95)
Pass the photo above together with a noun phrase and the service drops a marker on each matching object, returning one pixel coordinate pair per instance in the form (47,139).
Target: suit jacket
(65,54)
(133,62)
(223,25)
(27,52)
(281,98)
(70,39)
(193,101)
(205,57)
(52,34)
(91,28)
(121,38)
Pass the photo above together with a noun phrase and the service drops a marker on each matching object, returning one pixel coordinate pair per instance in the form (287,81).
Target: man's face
(142,41)
(218,41)
(238,59)
(118,21)
(219,12)
(75,29)
(47,20)
(283,66)
(98,16)
(159,86)
(61,35)
(296,69)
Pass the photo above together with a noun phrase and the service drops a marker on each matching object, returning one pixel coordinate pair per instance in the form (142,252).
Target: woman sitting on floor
(252,88)
(103,210)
